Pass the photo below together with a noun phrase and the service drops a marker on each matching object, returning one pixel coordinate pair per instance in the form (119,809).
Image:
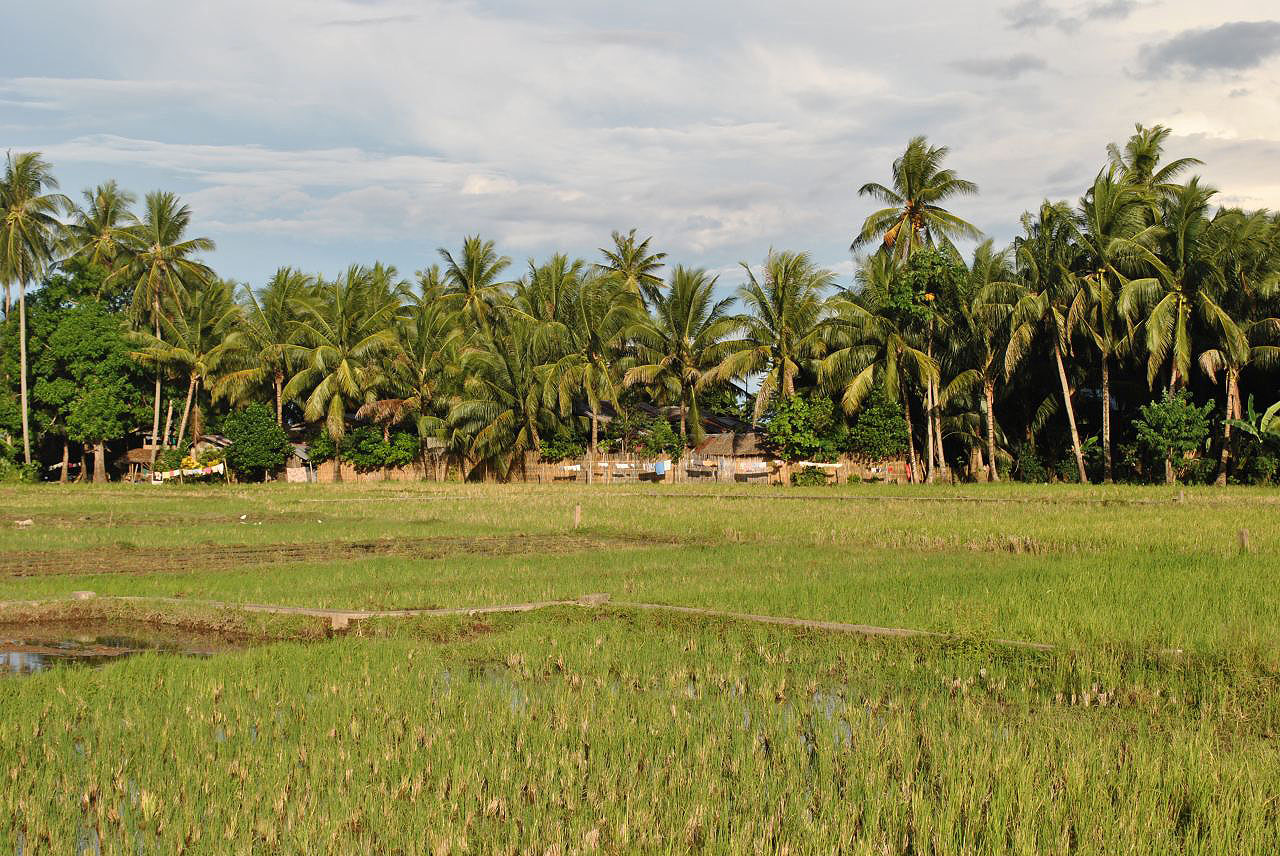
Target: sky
(320,133)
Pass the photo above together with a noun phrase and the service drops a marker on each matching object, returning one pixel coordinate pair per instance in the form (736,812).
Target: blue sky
(316,133)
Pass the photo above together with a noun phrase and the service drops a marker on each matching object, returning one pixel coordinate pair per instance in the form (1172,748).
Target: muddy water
(27,649)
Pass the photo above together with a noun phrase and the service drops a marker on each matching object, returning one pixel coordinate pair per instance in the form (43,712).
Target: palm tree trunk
(1106,422)
(22,370)
(100,462)
(591,454)
(928,432)
(337,459)
(911,441)
(1071,413)
(937,427)
(684,437)
(279,383)
(168,423)
(155,418)
(84,464)
(66,459)
(1224,460)
(186,413)
(989,391)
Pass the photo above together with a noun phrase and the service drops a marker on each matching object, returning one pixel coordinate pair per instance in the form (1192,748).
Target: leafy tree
(779,335)
(660,441)
(563,444)
(258,444)
(803,428)
(914,216)
(1171,428)
(680,341)
(879,433)
(29,229)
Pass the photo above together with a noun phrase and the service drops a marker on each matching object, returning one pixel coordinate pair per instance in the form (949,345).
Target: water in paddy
(27,649)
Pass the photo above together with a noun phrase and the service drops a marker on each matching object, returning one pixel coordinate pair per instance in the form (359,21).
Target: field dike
(131,559)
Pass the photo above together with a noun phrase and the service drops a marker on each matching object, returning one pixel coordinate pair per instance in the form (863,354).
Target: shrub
(258,445)
(809,477)
(803,428)
(564,444)
(880,431)
(661,440)
(1171,428)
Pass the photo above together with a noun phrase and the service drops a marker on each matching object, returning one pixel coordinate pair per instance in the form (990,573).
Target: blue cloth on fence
(660,468)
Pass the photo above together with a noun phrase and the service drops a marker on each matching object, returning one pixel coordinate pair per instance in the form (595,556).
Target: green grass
(572,730)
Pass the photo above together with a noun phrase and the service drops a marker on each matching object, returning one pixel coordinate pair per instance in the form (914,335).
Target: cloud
(1233,47)
(1031,15)
(1003,68)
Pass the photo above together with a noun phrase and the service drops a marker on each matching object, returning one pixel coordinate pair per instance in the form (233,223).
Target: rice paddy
(1149,726)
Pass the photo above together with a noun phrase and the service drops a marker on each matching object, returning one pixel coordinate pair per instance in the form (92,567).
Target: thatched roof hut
(747,444)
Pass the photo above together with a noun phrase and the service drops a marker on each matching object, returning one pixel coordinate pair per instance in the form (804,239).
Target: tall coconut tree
(543,294)
(1138,163)
(1184,290)
(199,331)
(473,281)
(586,345)
(99,230)
(680,341)
(1046,254)
(342,334)
(779,335)
(160,262)
(1114,237)
(914,215)
(268,332)
(871,341)
(635,263)
(29,231)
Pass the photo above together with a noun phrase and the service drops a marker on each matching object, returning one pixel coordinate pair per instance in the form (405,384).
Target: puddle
(26,649)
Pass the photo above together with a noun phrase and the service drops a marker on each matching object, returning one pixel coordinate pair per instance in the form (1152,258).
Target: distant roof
(747,444)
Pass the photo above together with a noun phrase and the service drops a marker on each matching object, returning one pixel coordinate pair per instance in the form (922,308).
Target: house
(733,456)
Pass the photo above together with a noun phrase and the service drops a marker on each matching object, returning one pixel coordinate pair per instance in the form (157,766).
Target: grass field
(1151,725)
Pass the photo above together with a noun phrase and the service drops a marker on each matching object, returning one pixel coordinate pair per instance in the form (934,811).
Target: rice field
(1150,725)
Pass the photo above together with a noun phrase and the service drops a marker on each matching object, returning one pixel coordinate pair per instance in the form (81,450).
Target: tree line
(1124,335)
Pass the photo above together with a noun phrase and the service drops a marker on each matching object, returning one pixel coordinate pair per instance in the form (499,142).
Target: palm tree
(1138,163)
(681,342)
(498,414)
(873,342)
(544,292)
(1045,255)
(267,334)
(1185,286)
(585,346)
(99,232)
(1250,267)
(1113,237)
(914,215)
(29,231)
(472,280)
(342,333)
(633,261)
(779,335)
(160,263)
(983,327)
(199,333)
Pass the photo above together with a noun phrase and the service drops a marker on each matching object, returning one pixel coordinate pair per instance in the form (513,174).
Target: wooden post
(1244,540)
(577,516)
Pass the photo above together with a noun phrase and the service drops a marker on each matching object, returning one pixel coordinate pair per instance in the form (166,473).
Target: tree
(259,444)
(1138,163)
(803,428)
(161,263)
(914,215)
(1171,428)
(584,346)
(341,334)
(680,342)
(99,232)
(635,264)
(879,433)
(872,342)
(473,281)
(198,335)
(1045,256)
(268,333)
(779,336)
(29,229)
(543,294)
(1114,237)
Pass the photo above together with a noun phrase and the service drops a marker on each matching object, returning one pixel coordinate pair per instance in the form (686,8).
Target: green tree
(29,231)
(879,433)
(473,281)
(779,335)
(633,261)
(914,216)
(259,444)
(680,341)
(99,233)
(342,335)
(161,263)
(1172,428)
(803,428)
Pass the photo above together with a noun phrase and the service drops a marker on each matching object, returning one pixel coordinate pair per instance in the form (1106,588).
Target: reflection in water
(29,649)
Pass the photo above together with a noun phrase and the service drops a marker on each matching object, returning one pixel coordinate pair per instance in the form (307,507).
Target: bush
(258,445)
(1028,467)
(1171,428)
(802,428)
(564,444)
(661,440)
(880,431)
(809,477)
